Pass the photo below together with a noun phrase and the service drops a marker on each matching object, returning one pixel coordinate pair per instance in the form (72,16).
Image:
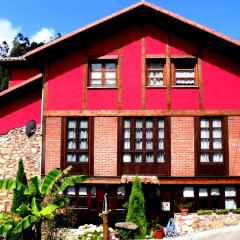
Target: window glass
(230,191)
(188,192)
(203,192)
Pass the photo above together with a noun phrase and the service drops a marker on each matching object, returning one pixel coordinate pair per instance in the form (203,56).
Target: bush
(136,208)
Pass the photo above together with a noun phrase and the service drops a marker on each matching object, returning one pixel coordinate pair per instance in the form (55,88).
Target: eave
(137,13)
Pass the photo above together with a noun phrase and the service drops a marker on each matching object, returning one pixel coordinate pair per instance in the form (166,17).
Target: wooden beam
(150,113)
(143,70)
(168,72)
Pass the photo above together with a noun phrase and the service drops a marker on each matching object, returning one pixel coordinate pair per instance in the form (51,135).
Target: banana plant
(43,199)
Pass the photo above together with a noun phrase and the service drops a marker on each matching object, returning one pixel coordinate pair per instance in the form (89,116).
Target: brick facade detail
(105,146)
(234,145)
(182,146)
(52,143)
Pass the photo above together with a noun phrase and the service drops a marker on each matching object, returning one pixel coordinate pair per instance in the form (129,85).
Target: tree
(18,196)
(20,45)
(4,48)
(136,208)
(43,201)
(3,78)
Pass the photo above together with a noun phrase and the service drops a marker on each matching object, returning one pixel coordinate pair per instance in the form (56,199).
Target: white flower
(89,235)
(110,229)
(101,235)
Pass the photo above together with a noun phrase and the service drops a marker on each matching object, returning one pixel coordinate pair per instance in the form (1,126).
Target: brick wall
(105,146)
(182,146)
(234,145)
(52,143)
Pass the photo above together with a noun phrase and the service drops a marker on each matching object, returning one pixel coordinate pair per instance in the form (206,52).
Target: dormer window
(103,74)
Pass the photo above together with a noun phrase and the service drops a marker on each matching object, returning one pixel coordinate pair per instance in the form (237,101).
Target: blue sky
(43,18)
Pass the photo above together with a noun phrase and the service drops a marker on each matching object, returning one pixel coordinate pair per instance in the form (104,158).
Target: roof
(56,46)
(20,86)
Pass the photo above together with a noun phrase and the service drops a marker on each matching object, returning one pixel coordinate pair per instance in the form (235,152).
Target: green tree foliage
(43,199)
(136,208)
(4,48)
(20,45)
(18,196)
(3,78)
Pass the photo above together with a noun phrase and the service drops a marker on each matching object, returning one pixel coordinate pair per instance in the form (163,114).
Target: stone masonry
(15,145)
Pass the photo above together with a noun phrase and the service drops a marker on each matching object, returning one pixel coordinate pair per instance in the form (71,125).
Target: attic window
(155,72)
(184,72)
(103,74)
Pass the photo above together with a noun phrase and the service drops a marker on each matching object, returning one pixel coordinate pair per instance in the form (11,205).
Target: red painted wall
(131,69)
(65,83)
(221,82)
(17,112)
(20,74)
(66,75)
(184,99)
(155,40)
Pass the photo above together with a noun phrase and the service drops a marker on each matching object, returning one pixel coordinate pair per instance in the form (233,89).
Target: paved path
(226,233)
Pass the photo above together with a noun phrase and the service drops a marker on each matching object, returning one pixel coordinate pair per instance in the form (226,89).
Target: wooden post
(105,225)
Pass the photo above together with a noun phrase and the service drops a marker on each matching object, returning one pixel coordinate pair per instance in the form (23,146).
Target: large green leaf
(34,186)
(10,184)
(23,210)
(25,223)
(49,180)
(34,207)
(71,181)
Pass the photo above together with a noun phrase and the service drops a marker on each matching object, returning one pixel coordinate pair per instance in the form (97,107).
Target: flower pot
(159,234)
(184,211)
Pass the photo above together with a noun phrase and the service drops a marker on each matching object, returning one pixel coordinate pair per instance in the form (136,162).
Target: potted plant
(159,232)
(183,205)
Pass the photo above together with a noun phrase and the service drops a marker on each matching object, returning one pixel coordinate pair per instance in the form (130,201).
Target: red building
(141,92)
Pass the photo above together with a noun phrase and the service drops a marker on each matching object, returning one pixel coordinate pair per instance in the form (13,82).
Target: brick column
(105,146)
(52,143)
(234,145)
(182,146)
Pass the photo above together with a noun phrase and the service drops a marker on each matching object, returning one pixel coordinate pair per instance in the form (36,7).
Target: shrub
(136,208)
(18,196)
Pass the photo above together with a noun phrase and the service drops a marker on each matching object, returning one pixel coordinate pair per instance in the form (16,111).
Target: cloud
(44,35)
(7,31)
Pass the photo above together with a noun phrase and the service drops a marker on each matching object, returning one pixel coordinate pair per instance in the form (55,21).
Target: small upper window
(184,72)
(103,74)
(155,72)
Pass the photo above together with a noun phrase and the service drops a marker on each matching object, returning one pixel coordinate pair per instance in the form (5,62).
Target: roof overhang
(136,13)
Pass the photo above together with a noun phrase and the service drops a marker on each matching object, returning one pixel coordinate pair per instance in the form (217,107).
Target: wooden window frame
(211,168)
(103,71)
(164,68)
(78,167)
(143,167)
(174,62)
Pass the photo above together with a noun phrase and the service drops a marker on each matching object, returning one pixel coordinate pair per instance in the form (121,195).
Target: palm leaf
(10,184)
(25,223)
(35,210)
(34,186)
(71,181)
(49,180)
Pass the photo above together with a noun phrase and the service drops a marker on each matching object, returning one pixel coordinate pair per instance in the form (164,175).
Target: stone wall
(193,223)
(15,145)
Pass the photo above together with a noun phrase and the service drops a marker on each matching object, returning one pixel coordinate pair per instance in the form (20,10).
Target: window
(211,140)
(211,146)
(78,144)
(80,196)
(103,74)
(184,72)
(144,140)
(155,72)
(230,197)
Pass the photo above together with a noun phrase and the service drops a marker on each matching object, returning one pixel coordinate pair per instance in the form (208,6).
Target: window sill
(99,87)
(163,87)
(183,86)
